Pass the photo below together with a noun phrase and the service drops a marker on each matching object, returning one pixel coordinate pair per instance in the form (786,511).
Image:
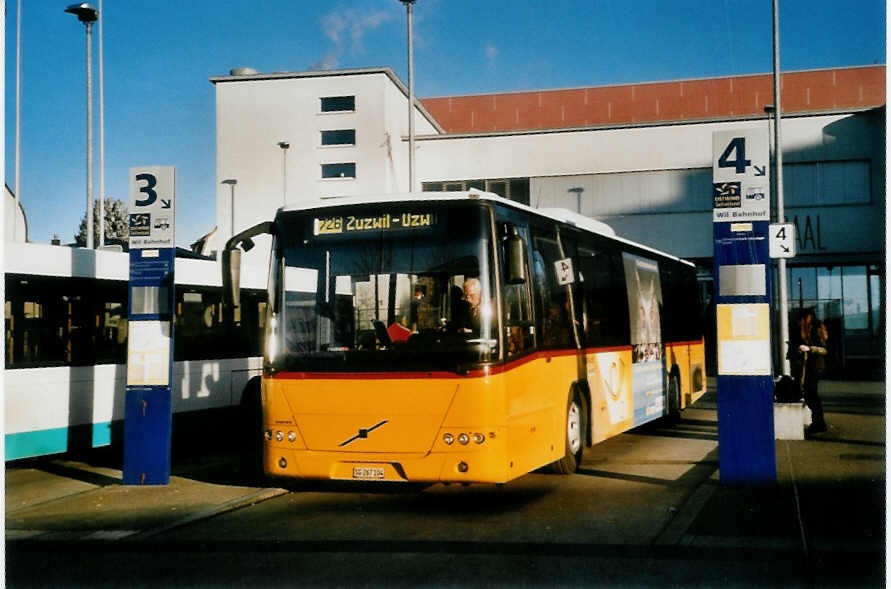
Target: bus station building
(637,157)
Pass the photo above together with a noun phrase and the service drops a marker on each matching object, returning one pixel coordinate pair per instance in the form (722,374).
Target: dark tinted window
(338,103)
(605,304)
(339,137)
(345,170)
(554,310)
(682,317)
(80,322)
(202,333)
(64,321)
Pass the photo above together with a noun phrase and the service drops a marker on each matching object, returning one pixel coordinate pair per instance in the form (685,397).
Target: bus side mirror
(231,277)
(514,248)
(231,261)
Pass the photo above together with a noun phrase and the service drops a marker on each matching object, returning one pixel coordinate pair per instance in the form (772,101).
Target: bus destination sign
(351,224)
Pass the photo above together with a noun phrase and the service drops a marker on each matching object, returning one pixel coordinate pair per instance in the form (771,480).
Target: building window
(338,103)
(516,189)
(339,137)
(345,170)
(827,183)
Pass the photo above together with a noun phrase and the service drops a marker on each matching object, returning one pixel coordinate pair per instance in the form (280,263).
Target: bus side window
(552,298)
(517,310)
(606,304)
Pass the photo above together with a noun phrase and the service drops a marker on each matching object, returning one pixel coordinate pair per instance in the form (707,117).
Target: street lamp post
(101,139)
(577,190)
(231,182)
(781,210)
(88,15)
(284,145)
(411,100)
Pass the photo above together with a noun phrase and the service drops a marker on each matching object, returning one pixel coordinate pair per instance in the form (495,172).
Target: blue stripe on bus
(26,444)
(50,441)
(102,434)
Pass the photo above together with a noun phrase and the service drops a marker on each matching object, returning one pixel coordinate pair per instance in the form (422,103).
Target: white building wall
(254,114)
(653,183)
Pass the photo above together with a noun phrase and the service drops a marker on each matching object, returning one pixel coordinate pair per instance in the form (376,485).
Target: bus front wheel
(574,438)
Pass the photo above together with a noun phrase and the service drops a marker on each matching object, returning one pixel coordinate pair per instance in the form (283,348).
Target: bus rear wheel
(574,440)
(674,398)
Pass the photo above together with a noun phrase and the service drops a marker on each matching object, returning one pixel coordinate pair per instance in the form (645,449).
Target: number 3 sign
(152,196)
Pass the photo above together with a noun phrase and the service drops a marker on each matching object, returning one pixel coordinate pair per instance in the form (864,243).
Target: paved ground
(647,508)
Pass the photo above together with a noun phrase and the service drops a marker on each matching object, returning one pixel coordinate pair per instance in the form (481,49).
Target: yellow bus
(462,337)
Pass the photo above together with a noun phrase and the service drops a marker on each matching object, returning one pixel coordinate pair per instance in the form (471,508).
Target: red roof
(818,90)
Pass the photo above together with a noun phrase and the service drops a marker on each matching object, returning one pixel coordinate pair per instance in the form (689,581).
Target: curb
(245,501)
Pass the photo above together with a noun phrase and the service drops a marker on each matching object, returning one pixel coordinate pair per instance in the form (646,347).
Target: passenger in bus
(556,326)
(414,308)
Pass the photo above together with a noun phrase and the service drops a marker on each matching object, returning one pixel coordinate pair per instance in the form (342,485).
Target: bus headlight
(279,436)
(448,439)
(463,439)
(479,438)
(292,437)
(268,435)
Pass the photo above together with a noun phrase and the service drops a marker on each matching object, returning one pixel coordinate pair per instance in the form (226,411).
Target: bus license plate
(368,472)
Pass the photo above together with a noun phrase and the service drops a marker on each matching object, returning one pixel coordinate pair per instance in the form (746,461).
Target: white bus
(66,345)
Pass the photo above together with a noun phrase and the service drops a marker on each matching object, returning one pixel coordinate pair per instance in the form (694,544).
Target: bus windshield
(387,287)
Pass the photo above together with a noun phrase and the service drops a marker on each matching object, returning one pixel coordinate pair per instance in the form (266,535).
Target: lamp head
(230,181)
(84,11)
(284,144)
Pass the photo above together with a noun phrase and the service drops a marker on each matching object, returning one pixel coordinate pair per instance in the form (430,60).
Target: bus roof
(37,259)
(555,214)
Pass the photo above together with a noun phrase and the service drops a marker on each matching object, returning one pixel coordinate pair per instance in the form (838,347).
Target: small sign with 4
(782,240)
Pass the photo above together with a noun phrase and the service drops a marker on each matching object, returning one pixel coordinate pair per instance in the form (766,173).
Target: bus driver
(468,312)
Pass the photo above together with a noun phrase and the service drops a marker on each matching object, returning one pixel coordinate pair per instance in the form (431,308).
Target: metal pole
(284,146)
(89,135)
(781,210)
(411,103)
(231,182)
(18,119)
(101,138)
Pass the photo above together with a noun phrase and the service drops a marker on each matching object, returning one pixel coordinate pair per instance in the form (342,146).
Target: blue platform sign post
(741,218)
(148,402)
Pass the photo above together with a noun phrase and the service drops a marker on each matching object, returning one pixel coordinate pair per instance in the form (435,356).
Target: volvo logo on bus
(363,433)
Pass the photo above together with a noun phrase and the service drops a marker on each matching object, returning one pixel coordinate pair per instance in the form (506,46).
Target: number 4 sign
(740,176)
(782,240)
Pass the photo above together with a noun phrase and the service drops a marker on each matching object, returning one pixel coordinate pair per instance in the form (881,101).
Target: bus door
(606,334)
(555,284)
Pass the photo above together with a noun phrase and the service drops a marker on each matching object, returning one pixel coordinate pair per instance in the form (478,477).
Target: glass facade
(516,189)
(849,300)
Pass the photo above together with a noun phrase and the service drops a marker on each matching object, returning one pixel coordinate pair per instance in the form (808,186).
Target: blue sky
(159,104)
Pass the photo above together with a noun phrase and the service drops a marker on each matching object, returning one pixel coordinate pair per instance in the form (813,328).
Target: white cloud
(346,29)
(491,53)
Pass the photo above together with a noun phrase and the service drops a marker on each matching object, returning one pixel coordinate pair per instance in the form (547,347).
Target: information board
(741,215)
(148,403)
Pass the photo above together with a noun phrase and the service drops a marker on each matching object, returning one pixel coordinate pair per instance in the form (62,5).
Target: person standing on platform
(807,356)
